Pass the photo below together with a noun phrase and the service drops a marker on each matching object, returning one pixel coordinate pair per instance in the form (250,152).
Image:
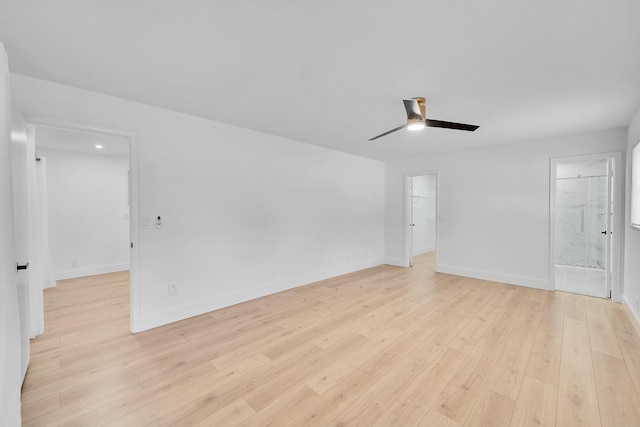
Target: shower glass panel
(581,209)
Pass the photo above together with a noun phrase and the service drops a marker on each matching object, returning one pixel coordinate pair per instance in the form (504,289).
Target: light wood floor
(383,347)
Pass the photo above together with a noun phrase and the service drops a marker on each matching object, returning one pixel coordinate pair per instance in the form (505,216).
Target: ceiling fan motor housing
(417,119)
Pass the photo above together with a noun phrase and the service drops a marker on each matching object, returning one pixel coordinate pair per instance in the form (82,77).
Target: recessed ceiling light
(99,147)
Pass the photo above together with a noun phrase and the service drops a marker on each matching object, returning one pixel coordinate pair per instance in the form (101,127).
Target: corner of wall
(631,236)
(395,261)
(634,309)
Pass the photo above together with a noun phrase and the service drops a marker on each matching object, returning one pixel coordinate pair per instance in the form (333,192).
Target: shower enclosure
(582,209)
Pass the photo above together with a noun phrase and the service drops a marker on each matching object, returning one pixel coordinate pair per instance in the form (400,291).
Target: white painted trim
(221,301)
(64,124)
(407,215)
(396,262)
(553,178)
(529,282)
(135,286)
(616,268)
(134,211)
(83,272)
(633,309)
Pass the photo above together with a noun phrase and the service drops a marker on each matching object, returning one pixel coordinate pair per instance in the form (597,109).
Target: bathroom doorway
(421,214)
(585,224)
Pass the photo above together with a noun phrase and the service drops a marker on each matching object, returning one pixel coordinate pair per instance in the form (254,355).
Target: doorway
(422,218)
(118,150)
(586,224)
(87,186)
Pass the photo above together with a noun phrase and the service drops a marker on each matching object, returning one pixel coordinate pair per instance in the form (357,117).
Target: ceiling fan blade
(450,125)
(413,109)
(388,132)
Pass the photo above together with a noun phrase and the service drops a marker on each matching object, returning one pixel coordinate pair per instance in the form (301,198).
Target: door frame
(615,269)
(134,253)
(408,243)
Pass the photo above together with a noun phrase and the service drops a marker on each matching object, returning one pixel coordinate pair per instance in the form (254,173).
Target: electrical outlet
(173,289)
(74,263)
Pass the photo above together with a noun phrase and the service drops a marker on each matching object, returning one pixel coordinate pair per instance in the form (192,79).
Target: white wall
(244,213)
(632,235)
(88,212)
(493,206)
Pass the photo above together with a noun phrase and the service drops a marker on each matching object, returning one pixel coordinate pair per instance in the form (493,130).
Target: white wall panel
(243,213)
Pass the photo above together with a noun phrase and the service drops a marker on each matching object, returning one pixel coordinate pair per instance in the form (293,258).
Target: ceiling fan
(416,119)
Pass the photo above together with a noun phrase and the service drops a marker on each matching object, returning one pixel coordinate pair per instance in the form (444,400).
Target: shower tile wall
(581,218)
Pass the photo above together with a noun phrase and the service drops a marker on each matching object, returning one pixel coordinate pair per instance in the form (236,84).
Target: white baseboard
(179,313)
(50,285)
(398,262)
(511,279)
(633,309)
(92,271)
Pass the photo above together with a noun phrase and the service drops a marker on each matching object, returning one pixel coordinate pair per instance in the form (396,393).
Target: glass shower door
(582,227)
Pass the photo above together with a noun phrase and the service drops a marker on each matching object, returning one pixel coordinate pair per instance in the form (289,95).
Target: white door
(21,214)
(609,228)
(10,375)
(411,223)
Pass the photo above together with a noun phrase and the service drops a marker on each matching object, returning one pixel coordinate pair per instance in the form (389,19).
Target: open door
(609,230)
(411,223)
(421,205)
(586,225)
(20,162)
(10,364)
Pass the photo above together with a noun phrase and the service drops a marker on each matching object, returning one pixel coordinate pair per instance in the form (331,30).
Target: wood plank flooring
(386,346)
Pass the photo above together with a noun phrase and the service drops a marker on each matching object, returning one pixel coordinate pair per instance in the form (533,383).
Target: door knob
(22,267)
(604,232)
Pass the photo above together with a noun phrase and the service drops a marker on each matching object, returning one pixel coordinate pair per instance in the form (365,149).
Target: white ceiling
(333,73)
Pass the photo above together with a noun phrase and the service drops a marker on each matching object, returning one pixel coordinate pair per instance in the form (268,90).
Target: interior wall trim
(511,279)
(153,320)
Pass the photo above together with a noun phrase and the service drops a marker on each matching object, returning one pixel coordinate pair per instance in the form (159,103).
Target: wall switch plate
(145,222)
(173,289)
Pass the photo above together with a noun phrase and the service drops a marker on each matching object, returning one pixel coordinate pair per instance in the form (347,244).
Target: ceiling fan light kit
(415,124)
(417,119)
